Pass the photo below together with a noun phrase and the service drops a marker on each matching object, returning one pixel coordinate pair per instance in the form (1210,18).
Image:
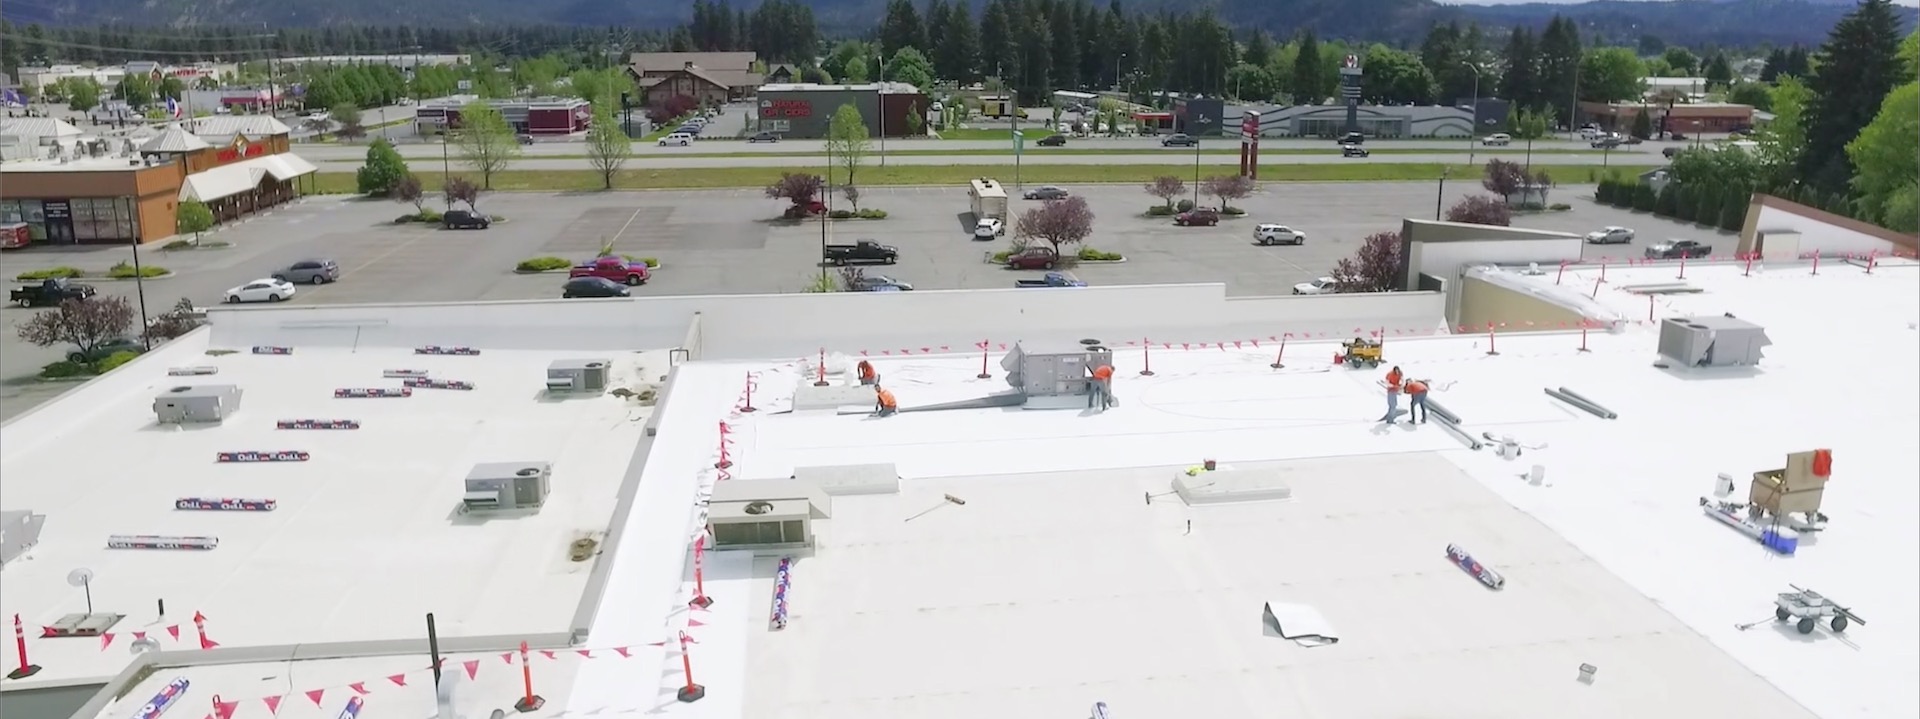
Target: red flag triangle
(547,653)
(358,688)
(139,636)
(585,653)
(225,709)
(622,651)
(273,704)
(472,666)
(506,657)
(198,617)
(106,640)
(174,631)
(656,644)
(695,623)
(398,679)
(314,696)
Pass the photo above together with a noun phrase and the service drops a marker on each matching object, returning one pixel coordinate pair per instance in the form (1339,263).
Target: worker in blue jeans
(1394,379)
(1416,401)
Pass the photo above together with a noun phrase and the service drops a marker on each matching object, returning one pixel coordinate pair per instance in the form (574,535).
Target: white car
(678,139)
(1278,235)
(989,228)
(1322,286)
(1498,139)
(1610,236)
(261,290)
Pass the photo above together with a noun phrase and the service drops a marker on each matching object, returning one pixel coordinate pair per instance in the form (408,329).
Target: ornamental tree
(798,188)
(1229,187)
(1375,267)
(1504,178)
(1059,222)
(83,323)
(1481,210)
(1167,187)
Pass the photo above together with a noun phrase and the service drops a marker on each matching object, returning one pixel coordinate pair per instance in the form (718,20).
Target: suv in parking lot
(1197,217)
(464,220)
(1278,235)
(314,272)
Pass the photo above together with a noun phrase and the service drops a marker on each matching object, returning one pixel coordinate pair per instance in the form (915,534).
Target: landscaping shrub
(841,214)
(177,245)
(1235,211)
(124,271)
(492,218)
(64,370)
(869,214)
(50,273)
(1088,254)
(1560,207)
(1001,256)
(1530,207)
(652,262)
(1643,197)
(115,360)
(1663,203)
(1183,206)
(1159,211)
(543,264)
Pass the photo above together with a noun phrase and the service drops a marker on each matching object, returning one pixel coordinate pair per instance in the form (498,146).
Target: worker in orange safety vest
(1100,388)
(885,405)
(867,375)
(1416,401)
(1394,379)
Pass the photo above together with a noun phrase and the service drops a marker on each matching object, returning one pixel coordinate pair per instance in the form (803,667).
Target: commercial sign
(786,108)
(240,149)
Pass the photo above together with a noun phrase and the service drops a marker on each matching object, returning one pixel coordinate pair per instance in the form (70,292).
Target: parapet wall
(762,326)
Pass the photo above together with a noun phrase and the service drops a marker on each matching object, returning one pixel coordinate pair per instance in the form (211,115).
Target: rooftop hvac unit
(203,403)
(1712,341)
(580,376)
(501,486)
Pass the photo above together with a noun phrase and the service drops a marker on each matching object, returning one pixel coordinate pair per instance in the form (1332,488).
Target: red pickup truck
(612,267)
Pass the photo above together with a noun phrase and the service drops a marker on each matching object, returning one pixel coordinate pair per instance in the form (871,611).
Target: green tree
(1560,60)
(1910,55)
(1783,141)
(83,93)
(347,119)
(1642,125)
(1395,77)
(1902,210)
(1663,203)
(911,67)
(1886,155)
(1681,61)
(1308,87)
(1718,72)
(135,89)
(383,170)
(1752,94)
(192,216)
(1520,83)
(956,49)
(1612,74)
(607,146)
(486,141)
(1251,83)
(847,140)
(1858,66)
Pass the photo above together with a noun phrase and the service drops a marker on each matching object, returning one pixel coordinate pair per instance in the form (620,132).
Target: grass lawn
(956,175)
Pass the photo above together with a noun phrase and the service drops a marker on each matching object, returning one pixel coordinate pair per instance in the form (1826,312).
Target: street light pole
(1200,120)
(881,95)
(1573,105)
(1440,196)
(140,287)
(1473,119)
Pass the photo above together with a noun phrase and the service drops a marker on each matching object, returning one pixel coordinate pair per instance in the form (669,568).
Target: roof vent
(177,390)
(758,508)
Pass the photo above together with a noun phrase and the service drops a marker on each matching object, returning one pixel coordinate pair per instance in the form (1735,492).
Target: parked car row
(685,134)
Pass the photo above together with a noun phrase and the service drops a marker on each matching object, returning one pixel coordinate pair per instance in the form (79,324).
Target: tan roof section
(726,69)
(1910,242)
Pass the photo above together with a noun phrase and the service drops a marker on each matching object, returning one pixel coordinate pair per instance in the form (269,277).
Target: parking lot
(730,242)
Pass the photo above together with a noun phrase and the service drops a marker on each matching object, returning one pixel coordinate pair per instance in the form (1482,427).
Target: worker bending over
(1100,388)
(867,375)
(884,405)
(1416,401)
(1394,379)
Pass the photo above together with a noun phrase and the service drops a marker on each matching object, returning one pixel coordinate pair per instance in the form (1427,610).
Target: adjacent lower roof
(230,180)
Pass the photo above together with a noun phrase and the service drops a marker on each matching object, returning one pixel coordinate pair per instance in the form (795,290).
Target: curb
(91,278)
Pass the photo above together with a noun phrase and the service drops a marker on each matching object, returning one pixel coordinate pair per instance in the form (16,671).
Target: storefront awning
(230,180)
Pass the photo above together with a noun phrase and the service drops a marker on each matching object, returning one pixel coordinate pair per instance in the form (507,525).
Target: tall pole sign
(1350,90)
(1250,145)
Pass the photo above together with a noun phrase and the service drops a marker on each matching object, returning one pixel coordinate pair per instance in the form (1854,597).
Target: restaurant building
(806,110)
(539,117)
(77,189)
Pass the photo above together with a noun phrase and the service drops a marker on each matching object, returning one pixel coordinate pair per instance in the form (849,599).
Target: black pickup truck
(862,252)
(50,292)
(1678,250)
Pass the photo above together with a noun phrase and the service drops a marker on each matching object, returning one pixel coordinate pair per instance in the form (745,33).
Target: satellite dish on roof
(142,646)
(80,577)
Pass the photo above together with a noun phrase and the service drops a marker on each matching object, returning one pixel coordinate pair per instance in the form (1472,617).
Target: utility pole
(880,94)
(1473,115)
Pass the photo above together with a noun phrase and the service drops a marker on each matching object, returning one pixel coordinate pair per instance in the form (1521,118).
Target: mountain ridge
(1687,22)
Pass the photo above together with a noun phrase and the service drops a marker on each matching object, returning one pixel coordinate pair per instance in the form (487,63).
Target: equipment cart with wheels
(1806,608)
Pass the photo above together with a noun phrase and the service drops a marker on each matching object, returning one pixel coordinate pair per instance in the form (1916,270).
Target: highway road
(1083,147)
(648,161)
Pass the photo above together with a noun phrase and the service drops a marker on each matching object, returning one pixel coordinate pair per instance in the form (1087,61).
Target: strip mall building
(70,188)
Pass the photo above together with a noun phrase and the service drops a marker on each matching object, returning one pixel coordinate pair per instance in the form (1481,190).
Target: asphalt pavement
(731,242)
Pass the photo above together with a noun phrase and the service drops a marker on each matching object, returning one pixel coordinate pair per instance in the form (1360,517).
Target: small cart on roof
(1810,607)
